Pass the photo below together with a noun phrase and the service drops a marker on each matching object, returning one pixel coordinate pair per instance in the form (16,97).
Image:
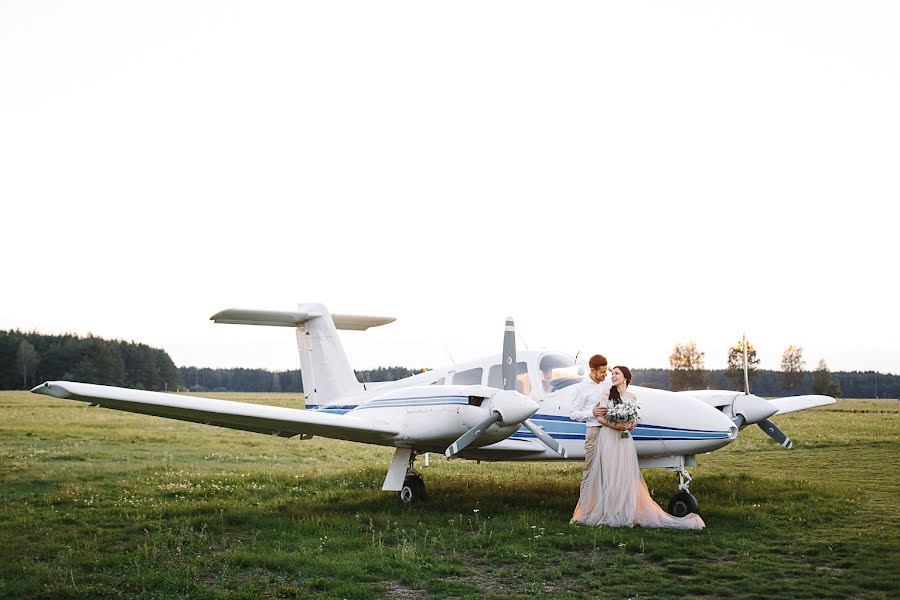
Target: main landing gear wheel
(683,503)
(413,490)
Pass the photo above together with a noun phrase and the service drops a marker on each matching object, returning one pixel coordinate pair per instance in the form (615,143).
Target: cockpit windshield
(559,371)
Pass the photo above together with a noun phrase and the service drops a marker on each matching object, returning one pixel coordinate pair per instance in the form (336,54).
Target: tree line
(854,384)
(688,372)
(202,379)
(27,359)
(849,384)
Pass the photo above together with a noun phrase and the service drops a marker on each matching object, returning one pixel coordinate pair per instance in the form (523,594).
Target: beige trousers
(590,443)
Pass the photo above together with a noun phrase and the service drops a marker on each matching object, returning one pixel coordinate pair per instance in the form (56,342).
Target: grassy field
(96,503)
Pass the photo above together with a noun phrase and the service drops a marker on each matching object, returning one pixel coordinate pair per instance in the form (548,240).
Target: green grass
(97,503)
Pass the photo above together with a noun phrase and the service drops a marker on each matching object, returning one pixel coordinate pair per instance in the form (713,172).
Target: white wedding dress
(615,493)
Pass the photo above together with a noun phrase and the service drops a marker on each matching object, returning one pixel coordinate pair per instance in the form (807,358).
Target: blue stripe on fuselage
(558,426)
(564,428)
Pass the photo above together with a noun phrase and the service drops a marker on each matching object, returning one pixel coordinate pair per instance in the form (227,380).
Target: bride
(615,493)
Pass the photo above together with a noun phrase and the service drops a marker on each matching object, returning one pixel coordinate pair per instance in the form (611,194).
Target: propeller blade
(471,435)
(776,434)
(540,434)
(509,355)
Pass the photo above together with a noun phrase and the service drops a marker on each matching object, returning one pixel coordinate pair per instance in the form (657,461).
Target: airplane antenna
(451,356)
(746,368)
(523,340)
(576,354)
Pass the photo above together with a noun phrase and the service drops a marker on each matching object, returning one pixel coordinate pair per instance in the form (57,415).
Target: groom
(585,408)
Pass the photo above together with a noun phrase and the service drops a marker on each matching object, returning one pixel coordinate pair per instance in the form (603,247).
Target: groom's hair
(597,361)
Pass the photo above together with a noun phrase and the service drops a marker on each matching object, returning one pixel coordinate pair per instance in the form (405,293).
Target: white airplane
(509,407)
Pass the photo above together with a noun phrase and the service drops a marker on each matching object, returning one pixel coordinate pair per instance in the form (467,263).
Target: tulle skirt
(615,494)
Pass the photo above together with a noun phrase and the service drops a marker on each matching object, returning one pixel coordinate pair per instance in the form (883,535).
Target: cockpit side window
(470,377)
(523,383)
(559,371)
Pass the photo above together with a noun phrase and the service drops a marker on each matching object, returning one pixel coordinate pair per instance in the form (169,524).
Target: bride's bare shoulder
(629,395)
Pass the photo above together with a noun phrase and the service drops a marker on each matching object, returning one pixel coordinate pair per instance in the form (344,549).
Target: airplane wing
(795,403)
(716,398)
(258,418)
(721,398)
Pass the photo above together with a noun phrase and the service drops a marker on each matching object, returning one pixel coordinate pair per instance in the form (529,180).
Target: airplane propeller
(473,434)
(775,433)
(508,406)
(539,433)
(757,410)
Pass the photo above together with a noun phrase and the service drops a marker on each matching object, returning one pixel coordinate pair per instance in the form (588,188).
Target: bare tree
(26,361)
(792,364)
(687,367)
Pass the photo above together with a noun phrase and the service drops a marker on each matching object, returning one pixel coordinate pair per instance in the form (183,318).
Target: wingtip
(50,388)
(219,314)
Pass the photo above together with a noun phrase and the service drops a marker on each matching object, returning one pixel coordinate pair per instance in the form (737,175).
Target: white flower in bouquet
(625,411)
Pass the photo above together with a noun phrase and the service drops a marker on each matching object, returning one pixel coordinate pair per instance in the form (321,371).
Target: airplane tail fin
(324,367)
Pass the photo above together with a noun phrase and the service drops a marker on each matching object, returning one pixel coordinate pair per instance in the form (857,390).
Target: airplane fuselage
(435,406)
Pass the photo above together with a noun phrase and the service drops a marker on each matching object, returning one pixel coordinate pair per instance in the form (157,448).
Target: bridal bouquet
(626,411)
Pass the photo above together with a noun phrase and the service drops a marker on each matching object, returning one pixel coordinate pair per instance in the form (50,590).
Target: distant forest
(201,379)
(27,359)
(853,384)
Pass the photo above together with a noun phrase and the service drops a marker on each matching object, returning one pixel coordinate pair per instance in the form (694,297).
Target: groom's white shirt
(587,395)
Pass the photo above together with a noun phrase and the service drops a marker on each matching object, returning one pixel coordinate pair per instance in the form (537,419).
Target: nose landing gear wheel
(682,504)
(413,490)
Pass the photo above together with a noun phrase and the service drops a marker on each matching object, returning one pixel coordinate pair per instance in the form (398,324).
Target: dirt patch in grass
(398,591)
(485,581)
(828,567)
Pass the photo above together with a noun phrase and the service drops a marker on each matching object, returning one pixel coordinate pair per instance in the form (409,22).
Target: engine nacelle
(513,406)
(752,408)
(433,416)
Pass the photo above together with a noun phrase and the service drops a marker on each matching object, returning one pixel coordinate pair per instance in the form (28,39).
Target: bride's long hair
(614,395)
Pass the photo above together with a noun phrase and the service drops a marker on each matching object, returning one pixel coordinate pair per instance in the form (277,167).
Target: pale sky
(617,177)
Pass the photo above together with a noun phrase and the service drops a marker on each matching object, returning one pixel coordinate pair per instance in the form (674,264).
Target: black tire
(420,487)
(683,503)
(413,490)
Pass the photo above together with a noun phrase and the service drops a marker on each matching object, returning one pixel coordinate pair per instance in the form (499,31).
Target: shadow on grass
(735,501)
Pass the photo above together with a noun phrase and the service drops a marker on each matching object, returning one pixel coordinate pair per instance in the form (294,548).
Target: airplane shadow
(736,499)
(444,492)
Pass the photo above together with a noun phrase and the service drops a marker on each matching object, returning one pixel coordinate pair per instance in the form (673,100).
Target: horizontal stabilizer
(279,318)
(795,403)
(259,418)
